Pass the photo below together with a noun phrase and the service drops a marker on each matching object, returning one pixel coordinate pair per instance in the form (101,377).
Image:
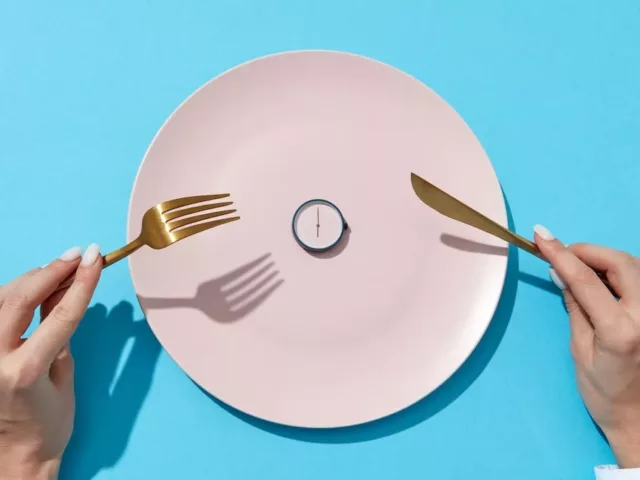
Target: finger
(582,334)
(20,302)
(56,330)
(588,290)
(8,339)
(49,304)
(621,268)
(5,289)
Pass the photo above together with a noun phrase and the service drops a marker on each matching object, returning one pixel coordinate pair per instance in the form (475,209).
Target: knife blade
(453,208)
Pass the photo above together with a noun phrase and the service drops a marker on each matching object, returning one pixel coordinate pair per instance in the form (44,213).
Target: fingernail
(71,254)
(543,232)
(555,278)
(90,255)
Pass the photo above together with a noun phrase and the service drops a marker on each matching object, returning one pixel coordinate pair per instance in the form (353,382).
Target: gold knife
(453,208)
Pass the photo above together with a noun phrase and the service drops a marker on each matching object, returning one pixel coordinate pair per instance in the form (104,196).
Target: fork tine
(188,211)
(171,226)
(201,227)
(184,201)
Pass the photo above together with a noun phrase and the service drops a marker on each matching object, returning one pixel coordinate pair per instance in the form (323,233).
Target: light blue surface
(550,87)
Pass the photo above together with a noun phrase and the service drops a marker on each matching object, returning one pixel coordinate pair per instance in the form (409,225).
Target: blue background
(550,87)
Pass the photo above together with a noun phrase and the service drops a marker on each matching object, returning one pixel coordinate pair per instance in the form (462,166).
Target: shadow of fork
(230,297)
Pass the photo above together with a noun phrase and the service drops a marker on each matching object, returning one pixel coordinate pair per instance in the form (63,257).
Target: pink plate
(319,339)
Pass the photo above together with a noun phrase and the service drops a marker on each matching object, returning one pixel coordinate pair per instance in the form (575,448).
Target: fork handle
(107,260)
(119,254)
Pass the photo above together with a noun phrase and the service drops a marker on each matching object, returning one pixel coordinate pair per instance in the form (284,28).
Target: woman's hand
(605,335)
(36,375)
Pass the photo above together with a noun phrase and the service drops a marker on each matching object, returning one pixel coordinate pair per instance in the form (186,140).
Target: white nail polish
(555,278)
(543,232)
(91,254)
(71,254)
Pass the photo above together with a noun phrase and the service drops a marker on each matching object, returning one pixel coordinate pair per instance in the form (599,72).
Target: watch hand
(318,222)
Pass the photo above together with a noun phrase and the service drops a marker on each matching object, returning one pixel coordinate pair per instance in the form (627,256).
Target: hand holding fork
(169,222)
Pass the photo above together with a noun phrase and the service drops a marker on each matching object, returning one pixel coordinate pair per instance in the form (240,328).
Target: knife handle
(507,235)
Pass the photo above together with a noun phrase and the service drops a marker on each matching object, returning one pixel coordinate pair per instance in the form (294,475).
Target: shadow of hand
(231,296)
(108,398)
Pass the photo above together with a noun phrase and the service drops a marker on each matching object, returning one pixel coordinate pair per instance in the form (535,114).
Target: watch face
(318,225)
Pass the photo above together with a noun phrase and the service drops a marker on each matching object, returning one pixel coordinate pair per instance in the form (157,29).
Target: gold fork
(167,223)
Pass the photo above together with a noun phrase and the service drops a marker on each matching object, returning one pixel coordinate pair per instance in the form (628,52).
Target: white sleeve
(611,472)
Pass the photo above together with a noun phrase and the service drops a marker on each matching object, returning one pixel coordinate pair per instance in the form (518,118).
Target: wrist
(626,447)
